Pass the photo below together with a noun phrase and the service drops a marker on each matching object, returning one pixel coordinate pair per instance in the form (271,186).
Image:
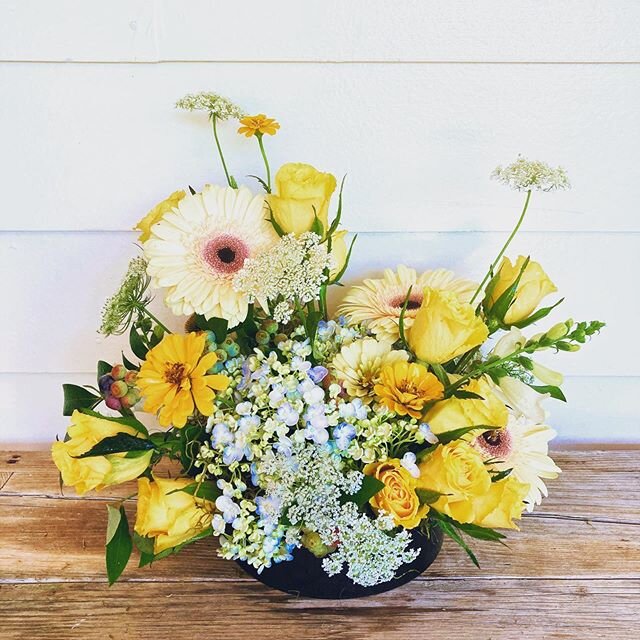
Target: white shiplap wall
(416,101)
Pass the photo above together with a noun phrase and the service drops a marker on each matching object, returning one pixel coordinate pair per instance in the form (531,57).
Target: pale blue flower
(243,408)
(218,524)
(354,409)
(288,414)
(318,374)
(229,509)
(427,434)
(311,393)
(408,461)
(221,434)
(276,396)
(343,434)
(325,329)
(300,364)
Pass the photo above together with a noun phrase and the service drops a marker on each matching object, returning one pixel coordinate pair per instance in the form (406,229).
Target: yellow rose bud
(457,471)
(339,252)
(455,413)
(301,189)
(157,213)
(534,285)
(169,515)
(444,327)
(398,498)
(95,472)
(504,502)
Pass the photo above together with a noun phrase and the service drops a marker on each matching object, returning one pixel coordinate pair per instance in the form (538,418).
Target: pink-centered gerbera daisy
(377,303)
(196,249)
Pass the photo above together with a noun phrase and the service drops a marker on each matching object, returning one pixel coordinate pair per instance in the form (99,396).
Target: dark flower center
(415,301)
(227,255)
(224,254)
(174,373)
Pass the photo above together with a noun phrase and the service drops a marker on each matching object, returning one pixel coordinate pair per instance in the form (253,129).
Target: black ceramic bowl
(304,575)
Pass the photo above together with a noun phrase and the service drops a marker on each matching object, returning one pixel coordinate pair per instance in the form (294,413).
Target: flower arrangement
(416,408)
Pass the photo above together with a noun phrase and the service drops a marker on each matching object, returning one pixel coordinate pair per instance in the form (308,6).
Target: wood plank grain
(594,485)
(471,609)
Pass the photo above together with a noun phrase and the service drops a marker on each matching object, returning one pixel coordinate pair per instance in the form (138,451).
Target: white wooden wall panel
(321,30)
(430,95)
(417,142)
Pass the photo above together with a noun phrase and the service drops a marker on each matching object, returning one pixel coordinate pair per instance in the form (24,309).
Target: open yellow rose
(169,515)
(398,498)
(300,190)
(457,471)
(156,214)
(533,286)
(504,502)
(96,472)
(444,327)
(455,413)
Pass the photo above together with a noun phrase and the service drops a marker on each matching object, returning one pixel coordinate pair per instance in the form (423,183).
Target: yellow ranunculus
(156,214)
(503,503)
(445,327)
(534,285)
(96,472)
(169,515)
(458,471)
(455,413)
(300,189)
(398,498)
(339,251)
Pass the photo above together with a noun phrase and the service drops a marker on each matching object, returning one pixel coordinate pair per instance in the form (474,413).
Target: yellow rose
(398,498)
(503,503)
(300,189)
(156,214)
(444,327)
(169,515)
(534,285)
(455,413)
(96,472)
(458,471)
(339,251)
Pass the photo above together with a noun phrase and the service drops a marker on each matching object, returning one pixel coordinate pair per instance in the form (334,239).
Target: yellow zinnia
(405,388)
(174,381)
(260,124)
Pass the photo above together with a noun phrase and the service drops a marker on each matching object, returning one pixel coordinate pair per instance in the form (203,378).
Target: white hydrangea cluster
(290,273)
(308,485)
(531,175)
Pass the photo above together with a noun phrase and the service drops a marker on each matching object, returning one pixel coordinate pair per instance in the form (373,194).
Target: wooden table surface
(572,572)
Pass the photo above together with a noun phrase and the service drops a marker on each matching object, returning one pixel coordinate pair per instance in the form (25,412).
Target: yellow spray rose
(458,471)
(504,502)
(398,498)
(96,472)
(169,515)
(156,214)
(534,285)
(455,413)
(300,189)
(444,327)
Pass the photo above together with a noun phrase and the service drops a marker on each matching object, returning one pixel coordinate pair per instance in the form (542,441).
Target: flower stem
(215,135)
(504,248)
(148,313)
(266,162)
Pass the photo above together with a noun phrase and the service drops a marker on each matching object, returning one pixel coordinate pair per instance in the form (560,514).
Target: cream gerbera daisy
(196,249)
(359,365)
(378,302)
(523,447)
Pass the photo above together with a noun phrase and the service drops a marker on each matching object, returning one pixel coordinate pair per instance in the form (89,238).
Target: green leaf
(496,477)
(264,185)
(311,325)
(480,533)
(206,490)
(129,364)
(119,443)
(426,496)
(219,326)
(403,311)
(336,221)
(103,368)
(466,395)
(192,191)
(554,392)
(119,545)
(113,520)
(538,315)
(271,219)
(370,486)
(135,342)
(449,530)
(455,434)
(317,227)
(76,397)
(205,533)
(425,453)
(501,306)
(129,421)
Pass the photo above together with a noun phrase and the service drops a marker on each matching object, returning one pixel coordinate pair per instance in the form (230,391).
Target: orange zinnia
(405,388)
(260,124)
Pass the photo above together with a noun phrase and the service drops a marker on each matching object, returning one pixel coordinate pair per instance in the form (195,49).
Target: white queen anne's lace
(531,175)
